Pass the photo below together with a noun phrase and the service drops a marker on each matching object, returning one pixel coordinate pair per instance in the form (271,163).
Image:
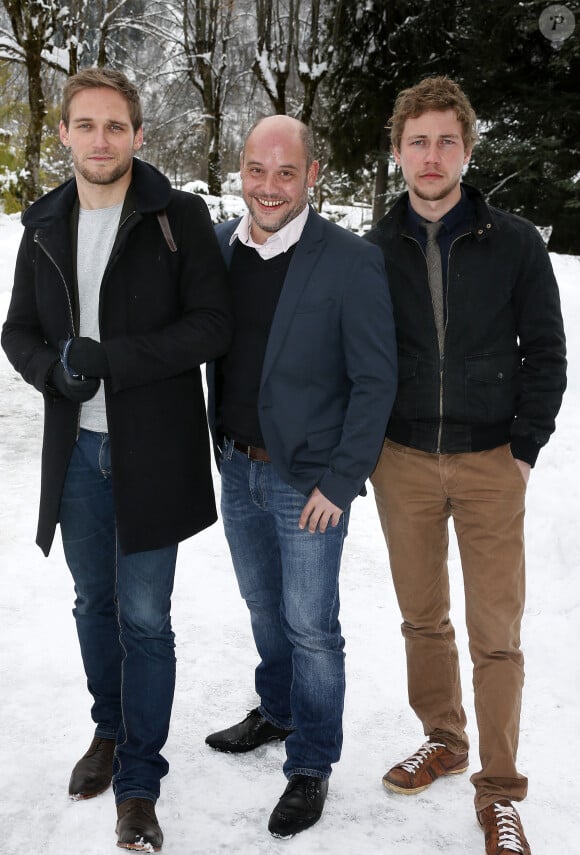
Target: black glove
(88,357)
(69,387)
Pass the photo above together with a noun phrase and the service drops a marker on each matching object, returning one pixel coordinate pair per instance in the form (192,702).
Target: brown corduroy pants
(484,493)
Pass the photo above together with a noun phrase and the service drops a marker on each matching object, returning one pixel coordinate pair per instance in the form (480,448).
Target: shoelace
(508,828)
(411,764)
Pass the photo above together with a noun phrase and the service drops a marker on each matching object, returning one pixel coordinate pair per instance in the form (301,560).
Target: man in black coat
(119,297)
(482,371)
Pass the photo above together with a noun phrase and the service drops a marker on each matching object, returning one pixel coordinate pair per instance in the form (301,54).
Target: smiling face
(432,156)
(275,177)
(101,139)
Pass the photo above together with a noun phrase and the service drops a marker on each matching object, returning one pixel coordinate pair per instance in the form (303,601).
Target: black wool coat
(161,315)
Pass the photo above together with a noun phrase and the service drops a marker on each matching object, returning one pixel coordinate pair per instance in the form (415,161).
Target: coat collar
(311,234)
(150,190)
(393,223)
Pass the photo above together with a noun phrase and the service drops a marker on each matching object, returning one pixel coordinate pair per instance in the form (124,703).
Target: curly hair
(433,93)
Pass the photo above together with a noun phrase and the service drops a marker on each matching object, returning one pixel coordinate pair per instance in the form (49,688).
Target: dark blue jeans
(122,613)
(289,580)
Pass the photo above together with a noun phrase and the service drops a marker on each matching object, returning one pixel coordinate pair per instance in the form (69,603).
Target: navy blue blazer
(329,376)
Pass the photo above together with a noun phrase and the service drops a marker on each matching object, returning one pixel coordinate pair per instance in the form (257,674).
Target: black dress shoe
(250,733)
(300,806)
(92,774)
(137,826)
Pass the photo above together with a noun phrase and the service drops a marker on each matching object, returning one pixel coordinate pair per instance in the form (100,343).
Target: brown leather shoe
(433,760)
(137,826)
(504,834)
(93,772)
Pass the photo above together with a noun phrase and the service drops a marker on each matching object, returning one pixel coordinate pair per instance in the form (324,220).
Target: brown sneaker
(504,833)
(433,760)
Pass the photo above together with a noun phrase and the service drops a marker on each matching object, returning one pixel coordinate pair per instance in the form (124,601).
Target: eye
(116,128)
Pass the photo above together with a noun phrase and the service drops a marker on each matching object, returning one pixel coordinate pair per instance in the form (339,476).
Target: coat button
(500,375)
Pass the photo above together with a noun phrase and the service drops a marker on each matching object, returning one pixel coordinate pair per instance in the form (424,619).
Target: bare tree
(275,34)
(33,25)
(207,32)
(62,35)
(314,49)
(294,39)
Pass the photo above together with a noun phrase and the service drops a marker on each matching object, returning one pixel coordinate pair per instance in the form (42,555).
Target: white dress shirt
(278,242)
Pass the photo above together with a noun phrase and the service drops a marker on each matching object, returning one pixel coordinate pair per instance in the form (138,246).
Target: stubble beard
(274,226)
(435,195)
(102,177)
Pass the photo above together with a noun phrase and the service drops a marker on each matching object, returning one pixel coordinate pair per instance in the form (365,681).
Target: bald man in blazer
(298,410)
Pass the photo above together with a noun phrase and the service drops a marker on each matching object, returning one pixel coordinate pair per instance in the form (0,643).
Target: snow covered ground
(213,803)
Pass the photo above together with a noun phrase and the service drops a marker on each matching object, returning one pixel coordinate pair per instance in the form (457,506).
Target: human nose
(100,138)
(431,153)
(270,184)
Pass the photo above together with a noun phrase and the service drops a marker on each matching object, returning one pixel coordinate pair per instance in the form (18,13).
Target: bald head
(276,173)
(291,129)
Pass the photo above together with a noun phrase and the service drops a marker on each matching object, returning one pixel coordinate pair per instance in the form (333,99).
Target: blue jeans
(122,613)
(289,580)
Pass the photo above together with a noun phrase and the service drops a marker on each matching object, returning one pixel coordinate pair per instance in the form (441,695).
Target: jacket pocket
(492,387)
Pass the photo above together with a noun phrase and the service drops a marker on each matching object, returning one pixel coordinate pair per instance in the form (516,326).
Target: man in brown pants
(482,365)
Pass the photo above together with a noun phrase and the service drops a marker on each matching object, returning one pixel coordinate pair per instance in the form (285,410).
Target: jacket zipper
(442,358)
(439,347)
(442,352)
(70,309)
(69,301)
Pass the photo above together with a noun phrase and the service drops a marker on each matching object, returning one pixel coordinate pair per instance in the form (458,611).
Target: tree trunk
(31,188)
(214,161)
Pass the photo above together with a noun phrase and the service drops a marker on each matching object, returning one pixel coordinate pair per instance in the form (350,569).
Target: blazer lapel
(224,232)
(305,256)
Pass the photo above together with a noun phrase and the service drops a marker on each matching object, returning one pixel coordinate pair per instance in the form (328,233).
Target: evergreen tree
(383,47)
(525,90)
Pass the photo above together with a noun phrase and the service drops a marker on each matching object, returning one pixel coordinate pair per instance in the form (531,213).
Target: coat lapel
(305,256)
(224,232)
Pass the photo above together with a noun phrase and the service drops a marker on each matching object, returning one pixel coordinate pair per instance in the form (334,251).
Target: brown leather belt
(253,452)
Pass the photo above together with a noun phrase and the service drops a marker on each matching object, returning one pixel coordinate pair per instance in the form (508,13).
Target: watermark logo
(557,23)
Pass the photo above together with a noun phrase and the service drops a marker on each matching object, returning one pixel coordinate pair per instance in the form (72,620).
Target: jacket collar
(394,221)
(311,233)
(149,191)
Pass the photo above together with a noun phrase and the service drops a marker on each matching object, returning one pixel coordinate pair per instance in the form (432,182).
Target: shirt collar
(278,242)
(459,214)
